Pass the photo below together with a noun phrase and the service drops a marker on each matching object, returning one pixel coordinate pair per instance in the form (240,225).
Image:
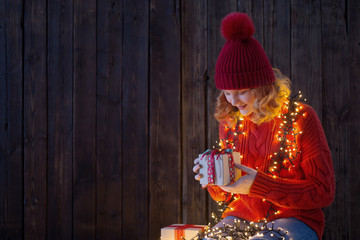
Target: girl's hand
(243,184)
(196,169)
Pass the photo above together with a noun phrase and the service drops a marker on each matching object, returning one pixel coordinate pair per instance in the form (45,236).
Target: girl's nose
(234,100)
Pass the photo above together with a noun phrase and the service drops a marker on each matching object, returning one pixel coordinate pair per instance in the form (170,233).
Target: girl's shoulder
(307,112)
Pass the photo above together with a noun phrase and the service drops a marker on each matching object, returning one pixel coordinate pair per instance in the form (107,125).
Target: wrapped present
(181,231)
(218,167)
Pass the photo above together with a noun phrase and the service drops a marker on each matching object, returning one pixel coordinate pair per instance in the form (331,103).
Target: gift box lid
(177,231)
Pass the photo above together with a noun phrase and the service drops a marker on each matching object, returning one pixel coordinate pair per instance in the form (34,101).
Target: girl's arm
(317,188)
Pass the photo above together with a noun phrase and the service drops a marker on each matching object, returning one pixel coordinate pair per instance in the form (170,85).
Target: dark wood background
(104,104)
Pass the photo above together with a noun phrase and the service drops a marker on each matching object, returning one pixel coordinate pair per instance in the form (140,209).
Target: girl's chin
(245,112)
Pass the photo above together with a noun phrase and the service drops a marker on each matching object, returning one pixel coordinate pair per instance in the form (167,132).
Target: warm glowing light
(282,159)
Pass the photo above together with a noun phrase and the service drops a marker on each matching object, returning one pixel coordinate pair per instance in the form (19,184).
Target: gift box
(218,167)
(180,231)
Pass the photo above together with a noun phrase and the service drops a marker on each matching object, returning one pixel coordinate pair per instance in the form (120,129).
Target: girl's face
(243,99)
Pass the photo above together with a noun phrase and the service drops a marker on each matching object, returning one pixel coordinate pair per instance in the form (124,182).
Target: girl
(287,171)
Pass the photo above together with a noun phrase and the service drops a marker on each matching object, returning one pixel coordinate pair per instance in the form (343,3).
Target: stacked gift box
(182,231)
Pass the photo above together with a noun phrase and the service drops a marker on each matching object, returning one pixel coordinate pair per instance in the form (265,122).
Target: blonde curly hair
(268,103)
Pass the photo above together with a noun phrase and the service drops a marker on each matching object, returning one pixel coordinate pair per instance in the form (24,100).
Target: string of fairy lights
(286,135)
(283,159)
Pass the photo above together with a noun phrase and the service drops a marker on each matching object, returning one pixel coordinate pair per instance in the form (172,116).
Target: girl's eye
(243,92)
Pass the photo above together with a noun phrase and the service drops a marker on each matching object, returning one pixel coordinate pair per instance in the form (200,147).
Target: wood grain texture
(35,122)
(306,54)
(255,11)
(60,118)
(84,120)
(217,10)
(335,117)
(277,34)
(109,120)
(194,39)
(3,123)
(135,155)
(165,108)
(104,105)
(353,53)
(11,120)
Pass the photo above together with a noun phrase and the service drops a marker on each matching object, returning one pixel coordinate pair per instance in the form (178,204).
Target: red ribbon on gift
(211,163)
(179,231)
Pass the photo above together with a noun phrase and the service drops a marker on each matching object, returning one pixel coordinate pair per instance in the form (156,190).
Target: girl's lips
(241,107)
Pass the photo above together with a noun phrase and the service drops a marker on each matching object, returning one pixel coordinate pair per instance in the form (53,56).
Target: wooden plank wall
(105,104)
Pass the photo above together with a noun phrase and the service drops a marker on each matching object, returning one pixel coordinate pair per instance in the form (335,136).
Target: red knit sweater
(300,192)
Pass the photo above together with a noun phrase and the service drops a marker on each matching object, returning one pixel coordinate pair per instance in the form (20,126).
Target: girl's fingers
(196,168)
(198,176)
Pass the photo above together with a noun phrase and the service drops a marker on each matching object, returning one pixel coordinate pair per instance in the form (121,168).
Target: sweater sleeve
(317,188)
(216,193)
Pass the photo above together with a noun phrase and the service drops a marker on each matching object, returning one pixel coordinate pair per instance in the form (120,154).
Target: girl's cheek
(228,98)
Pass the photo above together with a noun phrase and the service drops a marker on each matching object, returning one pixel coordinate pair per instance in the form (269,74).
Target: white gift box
(177,231)
(222,169)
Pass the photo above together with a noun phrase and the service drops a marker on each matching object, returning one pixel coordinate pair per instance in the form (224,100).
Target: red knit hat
(242,62)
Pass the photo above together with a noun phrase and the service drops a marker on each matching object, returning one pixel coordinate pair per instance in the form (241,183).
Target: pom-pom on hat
(242,62)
